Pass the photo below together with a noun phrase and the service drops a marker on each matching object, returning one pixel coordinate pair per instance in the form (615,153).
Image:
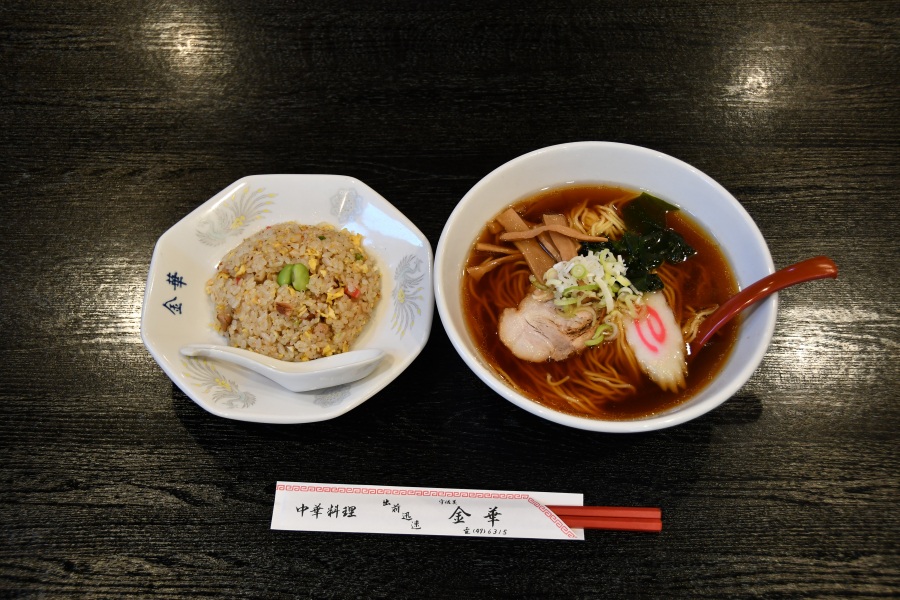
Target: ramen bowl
(709,205)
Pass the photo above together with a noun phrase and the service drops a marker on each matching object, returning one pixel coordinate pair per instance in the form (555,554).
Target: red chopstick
(610,517)
(613,523)
(608,511)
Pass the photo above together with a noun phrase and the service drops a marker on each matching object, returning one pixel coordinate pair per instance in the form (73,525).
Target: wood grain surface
(119,118)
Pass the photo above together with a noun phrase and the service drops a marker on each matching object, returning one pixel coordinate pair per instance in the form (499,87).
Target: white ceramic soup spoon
(296,376)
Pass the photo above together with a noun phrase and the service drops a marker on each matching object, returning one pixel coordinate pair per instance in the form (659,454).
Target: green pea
(284,275)
(299,277)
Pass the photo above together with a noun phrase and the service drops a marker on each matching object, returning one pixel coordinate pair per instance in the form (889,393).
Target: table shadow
(503,448)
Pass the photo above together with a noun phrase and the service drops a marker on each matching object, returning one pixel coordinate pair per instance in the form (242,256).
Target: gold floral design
(234,215)
(224,391)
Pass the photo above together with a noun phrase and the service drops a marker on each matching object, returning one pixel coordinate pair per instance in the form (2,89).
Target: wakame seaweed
(647,242)
(646,213)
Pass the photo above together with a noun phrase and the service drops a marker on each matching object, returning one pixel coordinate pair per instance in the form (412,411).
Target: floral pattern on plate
(408,293)
(233,216)
(346,205)
(223,391)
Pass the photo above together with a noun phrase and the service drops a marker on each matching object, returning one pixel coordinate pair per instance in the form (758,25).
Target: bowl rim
(682,413)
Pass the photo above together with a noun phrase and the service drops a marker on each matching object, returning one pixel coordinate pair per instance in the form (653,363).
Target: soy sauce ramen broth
(707,280)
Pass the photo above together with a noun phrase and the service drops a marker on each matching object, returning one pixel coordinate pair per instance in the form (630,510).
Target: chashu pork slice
(536,331)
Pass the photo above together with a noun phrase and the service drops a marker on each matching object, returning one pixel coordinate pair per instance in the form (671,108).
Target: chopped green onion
(537,283)
(578,271)
(590,287)
(599,335)
(565,301)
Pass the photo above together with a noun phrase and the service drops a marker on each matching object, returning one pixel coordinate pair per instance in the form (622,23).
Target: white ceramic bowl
(630,167)
(177,311)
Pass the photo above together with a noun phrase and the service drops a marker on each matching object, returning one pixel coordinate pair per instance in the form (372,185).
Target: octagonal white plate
(177,311)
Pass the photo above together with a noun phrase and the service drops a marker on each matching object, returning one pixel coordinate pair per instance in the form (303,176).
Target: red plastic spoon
(818,267)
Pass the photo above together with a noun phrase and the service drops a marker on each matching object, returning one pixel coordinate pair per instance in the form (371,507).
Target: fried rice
(254,312)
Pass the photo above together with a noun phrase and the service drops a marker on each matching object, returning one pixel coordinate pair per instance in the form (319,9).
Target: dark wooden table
(119,118)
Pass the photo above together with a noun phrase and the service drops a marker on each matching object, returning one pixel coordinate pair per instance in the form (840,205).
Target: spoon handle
(818,267)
